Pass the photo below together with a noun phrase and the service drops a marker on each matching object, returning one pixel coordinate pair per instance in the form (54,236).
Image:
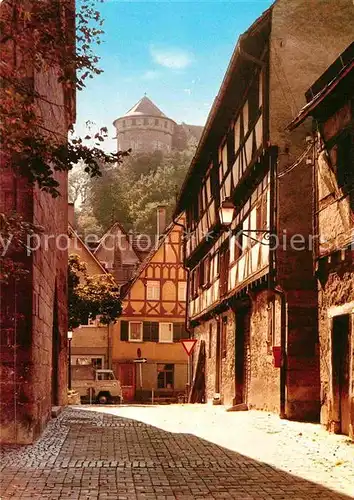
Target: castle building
(145,129)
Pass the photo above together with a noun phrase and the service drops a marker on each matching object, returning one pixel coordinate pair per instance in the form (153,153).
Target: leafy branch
(91,296)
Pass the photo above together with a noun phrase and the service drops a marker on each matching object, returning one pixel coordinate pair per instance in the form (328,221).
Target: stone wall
(144,134)
(264,380)
(336,293)
(33,351)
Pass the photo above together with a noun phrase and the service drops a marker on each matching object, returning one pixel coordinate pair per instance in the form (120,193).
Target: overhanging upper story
(330,101)
(233,160)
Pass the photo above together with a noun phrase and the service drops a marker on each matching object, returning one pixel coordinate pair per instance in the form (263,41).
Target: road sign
(188,345)
(140,360)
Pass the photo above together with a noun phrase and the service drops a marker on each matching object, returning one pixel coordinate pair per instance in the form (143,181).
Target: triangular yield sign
(188,345)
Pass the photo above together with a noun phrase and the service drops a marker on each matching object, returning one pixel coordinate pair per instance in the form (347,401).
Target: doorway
(241,354)
(218,360)
(125,372)
(340,371)
(55,353)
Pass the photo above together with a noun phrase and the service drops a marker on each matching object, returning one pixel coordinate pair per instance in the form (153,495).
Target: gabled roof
(127,286)
(72,231)
(145,107)
(134,240)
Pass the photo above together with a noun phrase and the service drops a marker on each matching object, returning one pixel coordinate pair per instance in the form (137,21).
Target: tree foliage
(15,234)
(91,296)
(39,37)
(131,192)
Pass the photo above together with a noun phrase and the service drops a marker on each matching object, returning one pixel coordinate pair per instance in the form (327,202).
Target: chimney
(161,220)
(71,214)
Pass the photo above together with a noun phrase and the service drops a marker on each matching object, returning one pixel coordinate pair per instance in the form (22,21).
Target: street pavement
(178,452)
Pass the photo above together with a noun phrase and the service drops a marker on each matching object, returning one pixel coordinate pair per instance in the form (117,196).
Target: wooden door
(218,360)
(125,373)
(242,354)
(340,360)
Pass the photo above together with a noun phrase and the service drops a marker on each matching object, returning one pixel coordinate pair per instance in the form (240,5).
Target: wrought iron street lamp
(226,212)
(70,336)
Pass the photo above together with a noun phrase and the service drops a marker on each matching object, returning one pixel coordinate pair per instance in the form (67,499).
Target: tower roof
(145,107)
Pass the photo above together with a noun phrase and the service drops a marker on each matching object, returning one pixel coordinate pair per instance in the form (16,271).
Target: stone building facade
(145,129)
(331,104)
(33,354)
(254,300)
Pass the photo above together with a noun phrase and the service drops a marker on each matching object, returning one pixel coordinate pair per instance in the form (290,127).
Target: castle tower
(144,128)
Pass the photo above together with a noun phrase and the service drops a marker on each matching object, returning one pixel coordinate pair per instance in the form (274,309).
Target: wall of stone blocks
(264,377)
(336,291)
(29,364)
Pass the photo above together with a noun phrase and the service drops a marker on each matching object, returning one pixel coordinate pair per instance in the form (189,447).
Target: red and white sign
(188,345)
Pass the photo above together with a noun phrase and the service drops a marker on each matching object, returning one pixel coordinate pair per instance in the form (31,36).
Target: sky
(175,51)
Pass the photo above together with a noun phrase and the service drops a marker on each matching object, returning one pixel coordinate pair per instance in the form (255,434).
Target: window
(123,123)
(153,290)
(253,101)
(97,363)
(165,376)
(133,121)
(135,331)
(166,332)
(261,215)
(182,291)
(204,273)
(92,322)
(165,124)
(156,122)
(146,121)
(224,269)
(105,376)
(345,159)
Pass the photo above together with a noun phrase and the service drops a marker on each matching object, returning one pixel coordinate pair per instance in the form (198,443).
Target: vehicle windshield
(105,376)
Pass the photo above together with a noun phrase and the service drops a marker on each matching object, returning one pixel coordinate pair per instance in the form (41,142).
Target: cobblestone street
(179,451)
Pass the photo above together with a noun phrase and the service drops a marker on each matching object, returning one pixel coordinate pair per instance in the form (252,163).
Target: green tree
(130,192)
(91,296)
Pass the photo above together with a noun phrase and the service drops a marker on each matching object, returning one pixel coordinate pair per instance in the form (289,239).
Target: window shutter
(177,331)
(124,330)
(154,332)
(147,331)
(184,333)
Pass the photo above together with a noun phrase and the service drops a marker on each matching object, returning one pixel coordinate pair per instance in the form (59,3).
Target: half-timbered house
(331,104)
(148,357)
(248,201)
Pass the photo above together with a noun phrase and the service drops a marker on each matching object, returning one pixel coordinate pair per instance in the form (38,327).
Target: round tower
(144,129)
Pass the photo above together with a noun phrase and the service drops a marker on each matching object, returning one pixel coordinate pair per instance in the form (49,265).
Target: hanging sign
(188,345)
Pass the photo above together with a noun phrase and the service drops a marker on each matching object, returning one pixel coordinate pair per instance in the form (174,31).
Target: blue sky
(177,52)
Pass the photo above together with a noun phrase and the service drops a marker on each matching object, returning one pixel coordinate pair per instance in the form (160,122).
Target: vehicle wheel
(103,399)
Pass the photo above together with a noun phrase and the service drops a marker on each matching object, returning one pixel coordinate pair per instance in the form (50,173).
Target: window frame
(182,295)
(171,331)
(164,371)
(141,331)
(149,286)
